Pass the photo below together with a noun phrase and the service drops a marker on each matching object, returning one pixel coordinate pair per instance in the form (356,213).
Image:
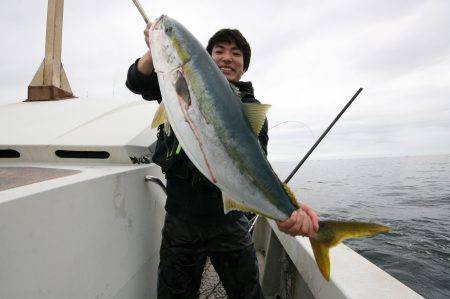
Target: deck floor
(13,177)
(211,287)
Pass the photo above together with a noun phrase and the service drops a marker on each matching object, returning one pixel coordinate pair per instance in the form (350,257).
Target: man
(196,226)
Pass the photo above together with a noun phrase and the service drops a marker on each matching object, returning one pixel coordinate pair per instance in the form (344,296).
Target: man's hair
(231,36)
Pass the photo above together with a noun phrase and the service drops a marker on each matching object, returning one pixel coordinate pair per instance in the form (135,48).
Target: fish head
(168,40)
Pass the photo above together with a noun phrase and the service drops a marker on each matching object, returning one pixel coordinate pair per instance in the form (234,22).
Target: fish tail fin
(321,253)
(331,233)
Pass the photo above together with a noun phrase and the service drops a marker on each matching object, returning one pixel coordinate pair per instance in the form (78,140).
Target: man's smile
(226,69)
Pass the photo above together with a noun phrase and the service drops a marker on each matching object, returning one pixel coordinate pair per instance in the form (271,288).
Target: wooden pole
(50,81)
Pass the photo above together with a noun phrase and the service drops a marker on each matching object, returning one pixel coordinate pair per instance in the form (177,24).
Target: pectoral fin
(160,116)
(331,233)
(256,114)
(182,89)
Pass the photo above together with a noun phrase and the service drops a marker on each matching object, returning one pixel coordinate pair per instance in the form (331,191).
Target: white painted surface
(352,276)
(95,234)
(38,129)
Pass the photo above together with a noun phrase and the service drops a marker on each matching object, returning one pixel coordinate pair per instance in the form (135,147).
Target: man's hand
(145,64)
(303,222)
(146,33)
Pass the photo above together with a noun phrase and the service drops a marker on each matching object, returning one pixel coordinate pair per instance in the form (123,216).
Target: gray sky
(309,58)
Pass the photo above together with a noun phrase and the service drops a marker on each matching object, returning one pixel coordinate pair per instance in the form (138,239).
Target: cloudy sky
(309,58)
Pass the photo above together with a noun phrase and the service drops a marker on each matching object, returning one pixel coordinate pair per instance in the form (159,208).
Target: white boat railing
(289,270)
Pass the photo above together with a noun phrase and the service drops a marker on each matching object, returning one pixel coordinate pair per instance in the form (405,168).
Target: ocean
(409,194)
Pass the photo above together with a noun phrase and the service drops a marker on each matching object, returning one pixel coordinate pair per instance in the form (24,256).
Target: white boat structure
(81,207)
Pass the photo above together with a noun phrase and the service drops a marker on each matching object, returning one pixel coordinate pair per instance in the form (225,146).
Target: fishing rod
(141,10)
(314,146)
(322,136)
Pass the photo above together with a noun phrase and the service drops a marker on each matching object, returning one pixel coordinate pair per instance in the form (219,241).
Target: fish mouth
(165,25)
(158,24)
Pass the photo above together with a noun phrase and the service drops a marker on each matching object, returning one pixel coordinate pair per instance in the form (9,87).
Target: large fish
(219,135)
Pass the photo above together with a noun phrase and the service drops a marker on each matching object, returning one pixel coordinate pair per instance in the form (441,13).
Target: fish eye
(168,30)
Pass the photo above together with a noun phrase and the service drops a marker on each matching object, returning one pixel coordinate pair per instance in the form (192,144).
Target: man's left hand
(303,222)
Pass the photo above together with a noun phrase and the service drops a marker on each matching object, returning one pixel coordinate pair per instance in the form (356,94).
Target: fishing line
(293,121)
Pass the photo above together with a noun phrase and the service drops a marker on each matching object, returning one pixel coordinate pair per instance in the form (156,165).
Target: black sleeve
(263,136)
(146,86)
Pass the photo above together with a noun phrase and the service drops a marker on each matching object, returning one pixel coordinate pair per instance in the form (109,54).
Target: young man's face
(230,60)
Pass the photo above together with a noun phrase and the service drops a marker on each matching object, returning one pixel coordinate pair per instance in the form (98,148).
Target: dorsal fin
(256,114)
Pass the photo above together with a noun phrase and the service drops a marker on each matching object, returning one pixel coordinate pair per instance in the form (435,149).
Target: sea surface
(409,194)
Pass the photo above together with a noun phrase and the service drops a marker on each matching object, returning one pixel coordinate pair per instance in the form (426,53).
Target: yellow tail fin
(331,233)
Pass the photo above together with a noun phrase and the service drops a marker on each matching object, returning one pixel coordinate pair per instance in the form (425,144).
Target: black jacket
(191,196)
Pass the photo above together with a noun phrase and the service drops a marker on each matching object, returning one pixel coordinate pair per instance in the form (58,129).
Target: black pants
(183,253)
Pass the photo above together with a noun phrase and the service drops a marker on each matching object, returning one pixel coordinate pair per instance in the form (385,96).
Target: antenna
(50,81)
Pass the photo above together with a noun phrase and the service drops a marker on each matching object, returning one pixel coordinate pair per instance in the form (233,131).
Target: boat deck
(211,287)
(12,177)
